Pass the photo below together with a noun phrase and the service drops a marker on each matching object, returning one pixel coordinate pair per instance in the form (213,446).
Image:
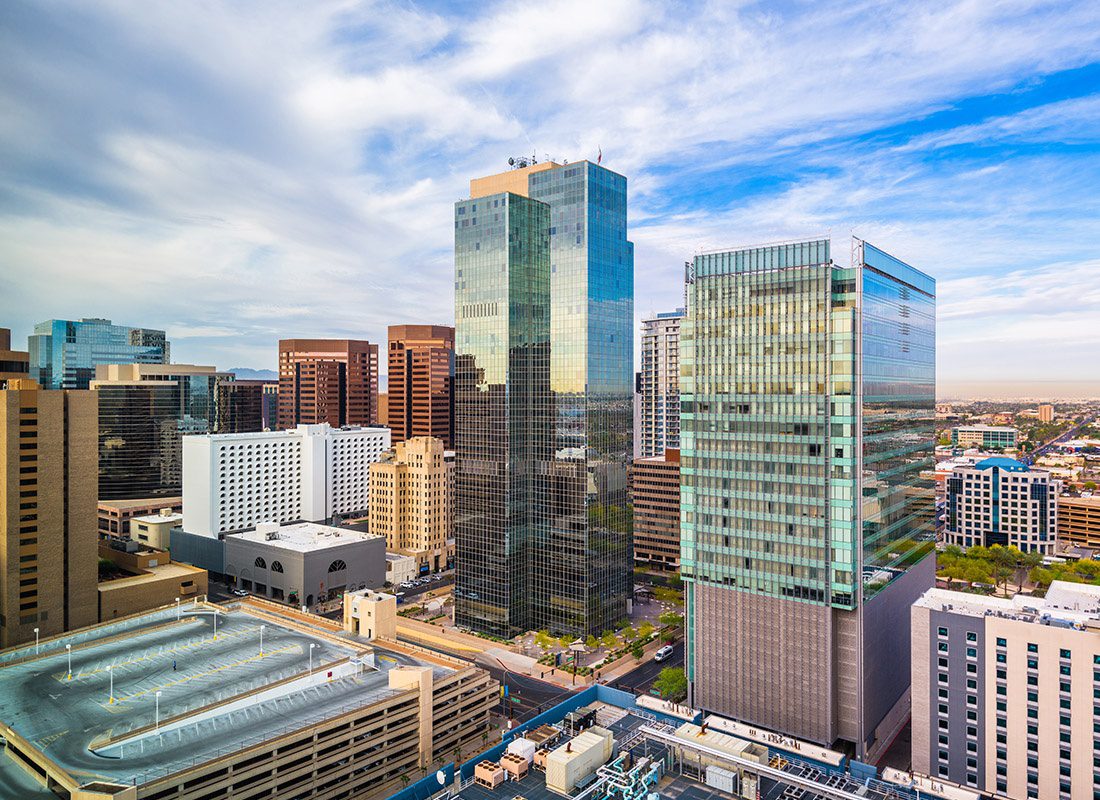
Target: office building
(64,354)
(420,396)
(233,482)
(145,410)
(332,381)
(14,364)
(269,403)
(263,707)
(1004,691)
(576,535)
(140,578)
(655,496)
(1079,521)
(1002,501)
(637,412)
(660,377)
(807,419)
(47,511)
(304,563)
(384,409)
(985,437)
(115,516)
(240,407)
(1046,412)
(155,530)
(412,502)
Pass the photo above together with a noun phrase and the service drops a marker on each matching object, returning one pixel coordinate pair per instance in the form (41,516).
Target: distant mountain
(246,374)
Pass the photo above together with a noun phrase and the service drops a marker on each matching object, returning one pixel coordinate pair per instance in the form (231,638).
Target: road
(641,678)
(527,696)
(1057,440)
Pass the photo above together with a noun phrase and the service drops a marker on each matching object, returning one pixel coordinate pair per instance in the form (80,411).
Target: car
(663,653)
(240,593)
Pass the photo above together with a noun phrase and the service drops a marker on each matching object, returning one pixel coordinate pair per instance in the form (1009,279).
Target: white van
(663,653)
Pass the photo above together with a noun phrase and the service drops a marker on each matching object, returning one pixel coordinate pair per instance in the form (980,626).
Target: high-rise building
(1002,501)
(984,436)
(1079,521)
(420,399)
(660,422)
(579,578)
(384,409)
(412,502)
(240,407)
(327,380)
(144,411)
(64,353)
(1046,412)
(1004,691)
(47,511)
(269,402)
(655,497)
(807,417)
(234,481)
(14,364)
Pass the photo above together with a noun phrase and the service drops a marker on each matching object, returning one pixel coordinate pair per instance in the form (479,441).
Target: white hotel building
(233,482)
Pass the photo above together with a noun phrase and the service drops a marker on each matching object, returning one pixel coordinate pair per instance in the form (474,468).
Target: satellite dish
(511,162)
(441,776)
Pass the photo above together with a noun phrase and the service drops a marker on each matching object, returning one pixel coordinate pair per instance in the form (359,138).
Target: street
(640,679)
(527,696)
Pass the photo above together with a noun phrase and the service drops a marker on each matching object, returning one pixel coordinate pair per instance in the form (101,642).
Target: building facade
(984,436)
(14,364)
(1002,501)
(47,511)
(115,516)
(145,578)
(655,497)
(145,411)
(420,391)
(64,354)
(578,542)
(807,418)
(240,407)
(1046,412)
(660,383)
(233,482)
(412,502)
(332,381)
(1079,521)
(304,563)
(1004,691)
(269,402)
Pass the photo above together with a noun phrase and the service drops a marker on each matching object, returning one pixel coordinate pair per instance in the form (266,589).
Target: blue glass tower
(65,353)
(807,417)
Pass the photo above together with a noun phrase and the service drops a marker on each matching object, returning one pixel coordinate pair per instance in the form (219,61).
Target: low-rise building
(14,364)
(155,530)
(115,515)
(304,563)
(655,496)
(144,578)
(1004,691)
(1002,501)
(400,569)
(984,436)
(1079,521)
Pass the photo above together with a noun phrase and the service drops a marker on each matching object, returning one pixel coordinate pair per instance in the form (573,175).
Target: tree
(645,629)
(638,651)
(565,641)
(1090,486)
(608,638)
(671,619)
(544,640)
(1030,561)
(591,642)
(629,634)
(675,581)
(672,684)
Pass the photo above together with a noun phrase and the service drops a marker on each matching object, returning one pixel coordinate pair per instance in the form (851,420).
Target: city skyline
(303,183)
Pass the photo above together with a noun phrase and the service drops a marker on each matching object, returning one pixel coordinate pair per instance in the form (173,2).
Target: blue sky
(239,171)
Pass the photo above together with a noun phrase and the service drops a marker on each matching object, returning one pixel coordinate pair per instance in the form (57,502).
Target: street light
(69,654)
(36,641)
(177,609)
(156,729)
(311,646)
(111,672)
(262,639)
(215,625)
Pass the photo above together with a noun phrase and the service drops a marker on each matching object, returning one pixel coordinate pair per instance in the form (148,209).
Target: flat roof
(1068,602)
(123,505)
(305,537)
(201,680)
(160,572)
(162,518)
(985,428)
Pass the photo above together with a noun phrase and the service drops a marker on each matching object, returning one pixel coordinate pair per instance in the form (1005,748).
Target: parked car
(240,593)
(663,653)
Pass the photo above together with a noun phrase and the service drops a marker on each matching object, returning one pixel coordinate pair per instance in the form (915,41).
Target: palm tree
(1031,560)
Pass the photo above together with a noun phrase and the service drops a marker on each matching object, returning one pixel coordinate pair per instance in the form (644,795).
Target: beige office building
(115,516)
(1004,692)
(14,364)
(47,511)
(1046,412)
(1079,521)
(412,502)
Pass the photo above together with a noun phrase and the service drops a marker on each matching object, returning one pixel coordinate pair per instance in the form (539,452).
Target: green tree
(672,684)
(544,640)
(1090,486)
(671,619)
(675,581)
(645,629)
(638,651)
(609,639)
(629,634)
(565,641)
(1027,563)
(591,642)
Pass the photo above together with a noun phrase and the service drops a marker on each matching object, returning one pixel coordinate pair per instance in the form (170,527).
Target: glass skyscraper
(808,403)
(578,550)
(65,353)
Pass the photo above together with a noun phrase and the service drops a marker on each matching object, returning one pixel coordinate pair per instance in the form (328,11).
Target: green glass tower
(808,403)
(577,577)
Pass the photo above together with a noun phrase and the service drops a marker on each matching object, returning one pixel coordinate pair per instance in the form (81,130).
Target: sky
(236,172)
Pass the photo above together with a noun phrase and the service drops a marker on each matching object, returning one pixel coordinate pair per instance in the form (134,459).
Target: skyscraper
(240,406)
(807,411)
(660,376)
(327,380)
(47,511)
(420,398)
(579,575)
(144,411)
(64,353)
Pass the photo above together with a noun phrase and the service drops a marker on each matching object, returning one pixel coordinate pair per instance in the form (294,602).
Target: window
(337,565)
(276,566)
(260,563)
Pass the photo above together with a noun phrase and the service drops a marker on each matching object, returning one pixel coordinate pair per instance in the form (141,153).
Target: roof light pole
(177,609)
(215,624)
(311,646)
(69,654)
(36,641)
(262,639)
(156,728)
(111,672)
